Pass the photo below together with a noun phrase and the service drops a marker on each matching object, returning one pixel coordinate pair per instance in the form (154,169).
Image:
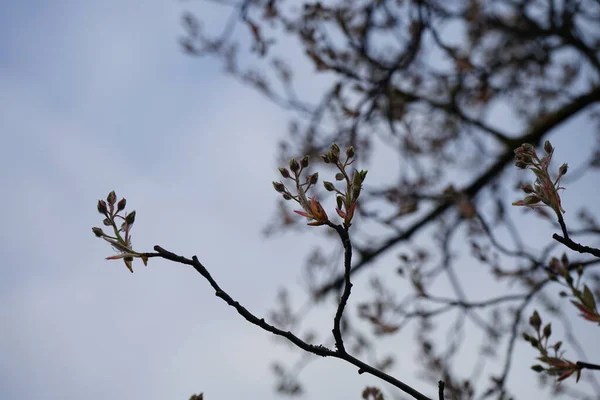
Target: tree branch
(534,136)
(319,350)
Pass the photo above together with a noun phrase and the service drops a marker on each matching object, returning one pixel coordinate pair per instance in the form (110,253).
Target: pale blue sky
(96,96)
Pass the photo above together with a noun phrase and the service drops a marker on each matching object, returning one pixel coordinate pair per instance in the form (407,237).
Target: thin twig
(260,322)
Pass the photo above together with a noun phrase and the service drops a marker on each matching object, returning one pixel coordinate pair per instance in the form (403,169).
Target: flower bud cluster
(544,192)
(120,239)
(311,208)
(556,364)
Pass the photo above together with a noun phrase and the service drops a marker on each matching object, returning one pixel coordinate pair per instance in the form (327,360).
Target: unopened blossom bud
(329,186)
(339,176)
(304,161)
(130,218)
(102,207)
(111,198)
(121,204)
(547,330)
(533,199)
(527,188)
(520,164)
(335,149)
(314,178)
(548,147)
(350,152)
(107,222)
(535,321)
(286,196)
(537,368)
(527,148)
(279,187)
(325,158)
(284,172)
(98,231)
(294,166)
(563,169)
(334,157)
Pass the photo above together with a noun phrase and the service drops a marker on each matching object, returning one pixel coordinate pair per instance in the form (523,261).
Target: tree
(446,85)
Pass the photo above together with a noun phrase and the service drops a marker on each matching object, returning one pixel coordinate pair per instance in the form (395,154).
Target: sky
(98,96)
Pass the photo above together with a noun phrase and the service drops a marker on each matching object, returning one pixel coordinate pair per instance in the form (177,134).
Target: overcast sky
(96,96)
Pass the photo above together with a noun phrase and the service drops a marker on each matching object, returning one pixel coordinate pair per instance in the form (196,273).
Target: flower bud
(339,176)
(325,158)
(537,368)
(102,207)
(314,178)
(284,172)
(335,149)
(107,222)
(98,231)
(111,198)
(520,164)
(121,204)
(294,166)
(535,321)
(527,188)
(130,218)
(530,200)
(334,157)
(304,161)
(527,148)
(563,169)
(548,147)
(547,330)
(279,187)
(287,196)
(329,186)
(350,152)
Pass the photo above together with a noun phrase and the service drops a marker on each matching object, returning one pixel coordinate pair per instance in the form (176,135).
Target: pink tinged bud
(530,200)
(130,218)
(520,164)
(538,368)
(284,172)
(279,187)
(527,148)
(111,198)
(304,161)
(98,231)
(102,209)
(294,166)
(527,188)
(350,152)
(535,321)
(563,169)
(335,149)
(547,330)
(548,147)
(121,204)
